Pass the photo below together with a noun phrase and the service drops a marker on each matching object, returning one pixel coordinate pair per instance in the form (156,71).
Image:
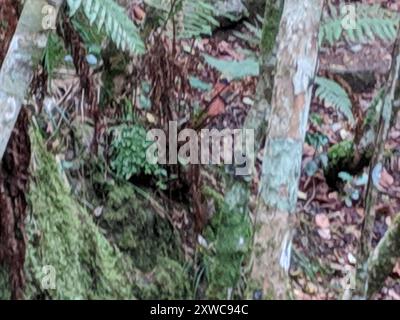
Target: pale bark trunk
(287,122)
(26,50)
(377,162)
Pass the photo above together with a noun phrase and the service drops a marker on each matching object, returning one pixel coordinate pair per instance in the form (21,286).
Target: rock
(237,9)
(229,11)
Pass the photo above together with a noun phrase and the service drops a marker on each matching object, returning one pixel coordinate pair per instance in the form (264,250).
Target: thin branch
(376,166)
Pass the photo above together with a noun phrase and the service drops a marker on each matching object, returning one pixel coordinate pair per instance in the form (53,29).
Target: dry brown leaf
(322,221)
(386,179)
(217,107)
(138,13)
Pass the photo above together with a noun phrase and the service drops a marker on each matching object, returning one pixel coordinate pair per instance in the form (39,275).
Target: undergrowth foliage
(94,263)
(334,95)
(371,22)
(191,18)
(63,238)
(129,154)
(111,18)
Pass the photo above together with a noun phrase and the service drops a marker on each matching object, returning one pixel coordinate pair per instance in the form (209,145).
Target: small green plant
(129,155)
(351,189)
(54,54)
(341,152)
(318,141)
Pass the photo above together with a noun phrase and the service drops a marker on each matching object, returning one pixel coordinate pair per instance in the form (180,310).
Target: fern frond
(334,95)
(192,18)
(372,22)
(255,30)
(108,15)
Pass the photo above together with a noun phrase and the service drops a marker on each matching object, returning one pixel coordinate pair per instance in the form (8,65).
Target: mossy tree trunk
(238,191)
(384,258)
(256,118)
(24,54)
(287,121)
(364,273)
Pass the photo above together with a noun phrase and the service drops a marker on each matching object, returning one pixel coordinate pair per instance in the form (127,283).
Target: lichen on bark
(287,121)
(384,257)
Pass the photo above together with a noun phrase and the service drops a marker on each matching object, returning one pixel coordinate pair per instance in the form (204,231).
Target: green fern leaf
(372,22)
(108,15)
(255,30)
(192,18)
(234,70)
(334,95)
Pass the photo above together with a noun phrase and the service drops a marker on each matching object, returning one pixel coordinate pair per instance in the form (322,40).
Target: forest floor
(329,228)
(329,222)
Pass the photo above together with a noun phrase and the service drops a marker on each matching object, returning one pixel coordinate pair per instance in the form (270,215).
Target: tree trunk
(26,50)
(9,16)
(376,167)
(287,122)
(237,194)
(383,258)
(14,180)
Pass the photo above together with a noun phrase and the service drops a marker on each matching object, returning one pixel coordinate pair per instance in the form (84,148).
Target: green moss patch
(228,237)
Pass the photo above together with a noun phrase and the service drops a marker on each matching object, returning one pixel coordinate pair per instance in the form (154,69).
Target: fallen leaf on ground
(324,234)
(386,179)
(322,221)
(217,107)
(139,13)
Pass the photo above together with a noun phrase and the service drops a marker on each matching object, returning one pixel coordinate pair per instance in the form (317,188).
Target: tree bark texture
(24,53)
(14,178)
(287,122)
(384,258)
(255,119)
